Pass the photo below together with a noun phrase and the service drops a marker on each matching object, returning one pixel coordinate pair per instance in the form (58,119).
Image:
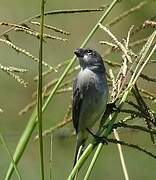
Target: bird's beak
(78,52)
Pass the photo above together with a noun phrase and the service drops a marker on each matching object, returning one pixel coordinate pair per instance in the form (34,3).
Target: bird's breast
(95,95)
(90,81)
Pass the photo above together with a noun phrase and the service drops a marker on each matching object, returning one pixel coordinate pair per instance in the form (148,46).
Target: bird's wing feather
(77,102)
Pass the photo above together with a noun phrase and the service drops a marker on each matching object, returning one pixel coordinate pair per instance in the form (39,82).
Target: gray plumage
(90,94)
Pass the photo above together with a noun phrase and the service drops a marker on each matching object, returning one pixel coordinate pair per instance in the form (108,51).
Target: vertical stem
(39,103)
(51,157)
(121,155)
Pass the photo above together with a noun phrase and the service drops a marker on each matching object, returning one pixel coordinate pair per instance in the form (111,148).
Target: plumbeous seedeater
(90,94)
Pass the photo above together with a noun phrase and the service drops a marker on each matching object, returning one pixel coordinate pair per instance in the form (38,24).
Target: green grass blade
(10,156)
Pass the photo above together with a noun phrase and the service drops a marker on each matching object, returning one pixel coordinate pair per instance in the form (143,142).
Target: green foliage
(124,80)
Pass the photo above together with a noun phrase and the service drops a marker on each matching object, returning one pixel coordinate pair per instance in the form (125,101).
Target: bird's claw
(101,139)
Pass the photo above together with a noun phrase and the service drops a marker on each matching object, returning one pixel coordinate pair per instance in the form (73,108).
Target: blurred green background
(13,96)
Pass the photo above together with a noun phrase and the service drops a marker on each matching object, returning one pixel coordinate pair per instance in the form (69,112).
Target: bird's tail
(80,143)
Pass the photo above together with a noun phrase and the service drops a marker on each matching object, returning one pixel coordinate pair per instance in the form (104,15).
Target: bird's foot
(99,139)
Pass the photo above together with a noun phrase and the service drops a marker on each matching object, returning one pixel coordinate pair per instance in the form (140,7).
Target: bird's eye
(89,51)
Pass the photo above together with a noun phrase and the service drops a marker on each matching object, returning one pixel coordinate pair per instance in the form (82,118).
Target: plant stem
(39,103)
(10,156)
(93,161)
(121,155)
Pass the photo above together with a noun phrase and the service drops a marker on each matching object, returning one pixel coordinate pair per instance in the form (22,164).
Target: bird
(90,95)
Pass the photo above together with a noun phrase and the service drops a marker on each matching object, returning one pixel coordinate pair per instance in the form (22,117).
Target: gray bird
(90,94)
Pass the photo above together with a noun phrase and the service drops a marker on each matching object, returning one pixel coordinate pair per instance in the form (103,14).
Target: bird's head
(89,58)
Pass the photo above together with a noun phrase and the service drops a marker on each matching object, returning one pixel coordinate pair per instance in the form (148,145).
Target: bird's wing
(76,106)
